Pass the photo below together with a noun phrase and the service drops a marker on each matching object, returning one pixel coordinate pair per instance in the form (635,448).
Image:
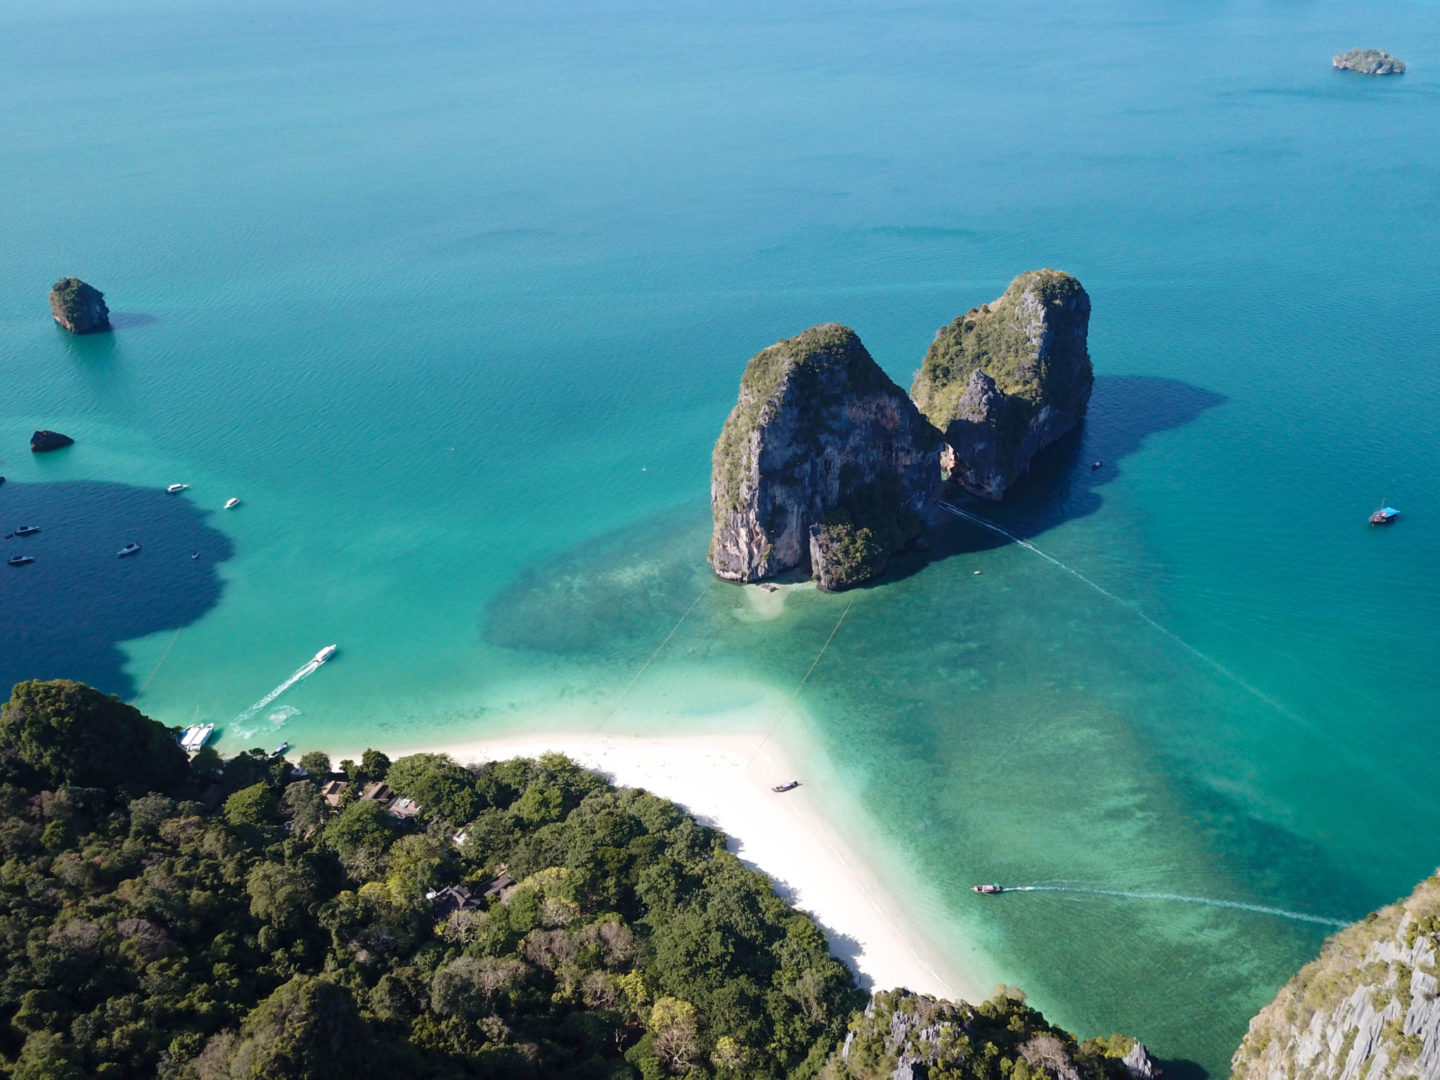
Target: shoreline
(725,780)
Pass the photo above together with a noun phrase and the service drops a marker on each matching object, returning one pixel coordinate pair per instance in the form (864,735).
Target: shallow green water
(455,298)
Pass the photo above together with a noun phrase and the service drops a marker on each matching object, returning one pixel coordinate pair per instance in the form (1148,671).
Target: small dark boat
(27,530)
(1384,516)
(989,890)
(20,560)
(128,549)
(195,554)
(280,749)
(1096,464)
(791,786)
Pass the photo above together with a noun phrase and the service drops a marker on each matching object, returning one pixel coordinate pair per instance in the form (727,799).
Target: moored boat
(1384,516)
(280,749)
(230,504)
(201,737)
(175,489)
(27,530)
(128,549)
(20,560)
(988,890)
(324,654)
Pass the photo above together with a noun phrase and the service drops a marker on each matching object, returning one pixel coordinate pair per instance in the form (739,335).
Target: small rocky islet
(79,307)
(825,464)
(1369,62)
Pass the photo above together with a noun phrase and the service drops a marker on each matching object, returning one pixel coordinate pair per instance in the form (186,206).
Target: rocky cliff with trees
(1367,1009)
(825,465)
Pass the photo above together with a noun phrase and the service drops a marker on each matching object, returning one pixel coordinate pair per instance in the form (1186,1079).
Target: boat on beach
(1384,516)
(324,654)
(790,785)
(988,890)
(175,489)
(280,749)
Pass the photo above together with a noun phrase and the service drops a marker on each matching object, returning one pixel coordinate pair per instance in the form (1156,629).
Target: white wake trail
(1208,901)
(300,673)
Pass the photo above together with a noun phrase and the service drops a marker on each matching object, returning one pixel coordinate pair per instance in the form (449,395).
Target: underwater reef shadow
(68,612)
(1125,410)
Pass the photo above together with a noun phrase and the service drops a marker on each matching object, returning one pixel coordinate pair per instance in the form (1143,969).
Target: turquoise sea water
(456,296)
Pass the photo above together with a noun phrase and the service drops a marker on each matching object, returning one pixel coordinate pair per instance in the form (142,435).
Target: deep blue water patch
(66,614)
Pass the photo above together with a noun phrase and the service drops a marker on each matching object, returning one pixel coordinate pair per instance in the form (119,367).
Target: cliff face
(1006,379)
(1366,1009)
(820,448)
(78,307)
(905,1036)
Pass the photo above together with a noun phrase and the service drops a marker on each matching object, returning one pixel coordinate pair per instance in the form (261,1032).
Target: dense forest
(206,919)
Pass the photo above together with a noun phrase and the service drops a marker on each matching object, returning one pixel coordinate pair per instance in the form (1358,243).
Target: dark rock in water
(1006,379)
(1369,62)
(823,461)
(42,441)
(78,307)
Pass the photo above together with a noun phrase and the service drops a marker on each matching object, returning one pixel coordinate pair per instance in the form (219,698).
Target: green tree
(360,834)
(442,788)
(374,765)
(64,732)
(308,1029)
(316,763)
(254,805)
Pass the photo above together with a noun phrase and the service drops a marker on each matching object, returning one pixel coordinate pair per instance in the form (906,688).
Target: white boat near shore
(195,736)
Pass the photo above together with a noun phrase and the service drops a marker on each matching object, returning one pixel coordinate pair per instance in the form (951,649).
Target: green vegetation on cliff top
(797,369)
(995,338)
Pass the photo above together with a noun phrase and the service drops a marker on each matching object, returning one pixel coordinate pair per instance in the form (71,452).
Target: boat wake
(1208,901)
(304,671)
(976,519)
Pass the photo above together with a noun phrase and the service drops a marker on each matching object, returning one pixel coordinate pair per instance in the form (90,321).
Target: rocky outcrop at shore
(823,463)
(44,440)
(1369,62)
(1367,1008)
(1006,379)
(905,1036)
(78,307)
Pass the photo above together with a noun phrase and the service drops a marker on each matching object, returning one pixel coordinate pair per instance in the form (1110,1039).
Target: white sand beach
(726,780)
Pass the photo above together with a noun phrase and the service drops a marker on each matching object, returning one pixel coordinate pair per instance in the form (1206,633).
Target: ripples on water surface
(456,297)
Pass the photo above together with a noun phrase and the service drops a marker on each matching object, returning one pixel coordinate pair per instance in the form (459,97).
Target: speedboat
(230,504)
(20,560)
(788,786)
(27,530)
(324,654)
(989,890)
(175,489)
(1384,516)
(128,549)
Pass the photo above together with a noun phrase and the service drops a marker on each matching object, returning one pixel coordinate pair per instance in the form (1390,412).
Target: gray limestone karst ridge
(1367,1009)
(1006,379)
(822,452)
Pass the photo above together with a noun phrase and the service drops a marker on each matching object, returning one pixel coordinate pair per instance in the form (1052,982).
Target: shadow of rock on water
(131,320)
(67,613)
(1125,410)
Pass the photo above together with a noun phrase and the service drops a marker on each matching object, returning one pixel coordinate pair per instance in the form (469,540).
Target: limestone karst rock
(78,307)
(1006,379)
(821,443)
(1366,1008)
(44,440)
(1369,62)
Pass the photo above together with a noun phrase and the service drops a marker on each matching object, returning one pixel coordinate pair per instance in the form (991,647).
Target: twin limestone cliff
(823,462)
(1366,1010)
(1006,379)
